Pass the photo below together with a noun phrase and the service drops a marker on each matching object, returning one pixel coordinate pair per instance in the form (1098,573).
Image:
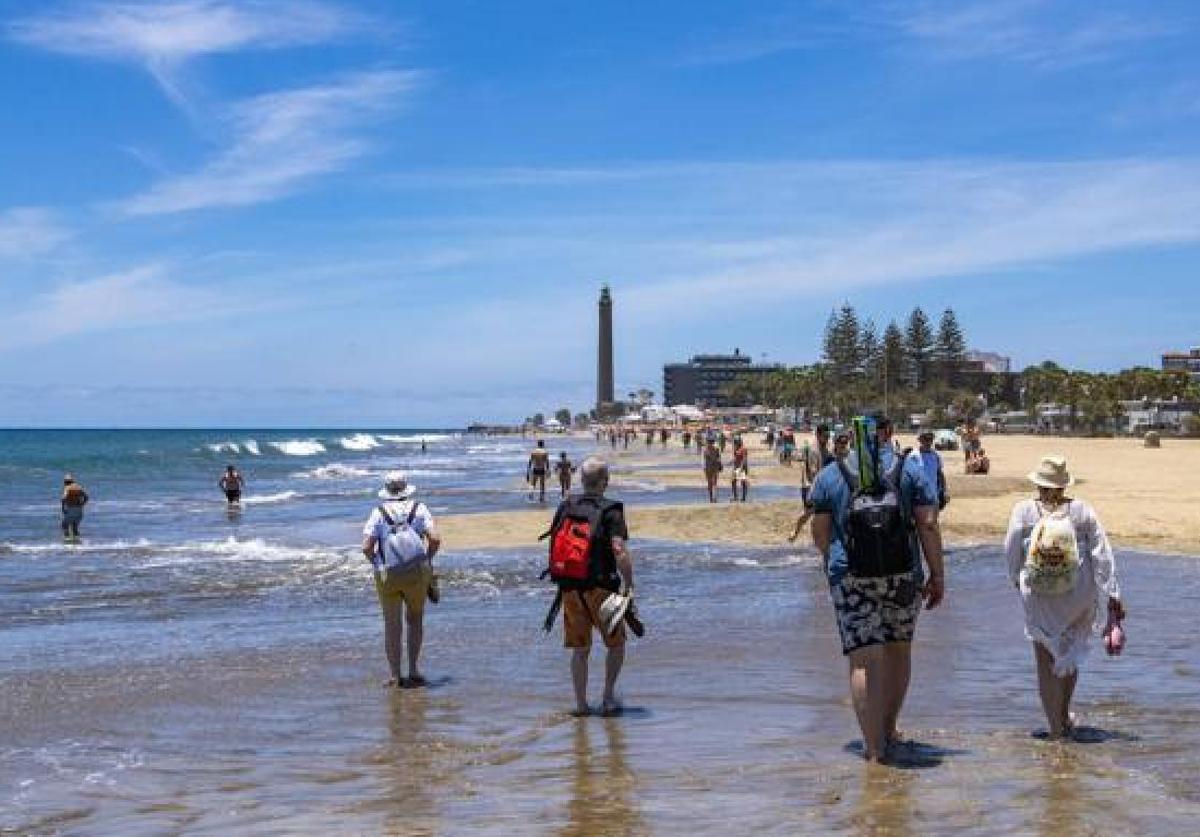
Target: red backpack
(574,559)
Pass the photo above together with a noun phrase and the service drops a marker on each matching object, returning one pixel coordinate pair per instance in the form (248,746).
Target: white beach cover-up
(1064,623)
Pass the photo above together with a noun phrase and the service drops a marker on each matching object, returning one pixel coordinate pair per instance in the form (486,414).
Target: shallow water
(185,671)
(259,708)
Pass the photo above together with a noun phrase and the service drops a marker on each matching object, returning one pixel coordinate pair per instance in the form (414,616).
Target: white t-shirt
(399,510)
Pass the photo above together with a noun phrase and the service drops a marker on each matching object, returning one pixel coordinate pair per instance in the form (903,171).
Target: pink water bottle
(1114,634)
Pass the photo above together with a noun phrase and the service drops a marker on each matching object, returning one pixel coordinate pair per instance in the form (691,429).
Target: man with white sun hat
(400,540)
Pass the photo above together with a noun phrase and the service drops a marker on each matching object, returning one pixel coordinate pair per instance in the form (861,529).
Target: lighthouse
(604,365)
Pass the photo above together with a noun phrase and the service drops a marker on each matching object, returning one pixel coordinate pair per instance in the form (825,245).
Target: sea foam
(360,441)
(299,447)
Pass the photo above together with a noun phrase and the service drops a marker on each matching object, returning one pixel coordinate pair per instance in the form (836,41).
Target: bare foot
(611,708)
(581,711)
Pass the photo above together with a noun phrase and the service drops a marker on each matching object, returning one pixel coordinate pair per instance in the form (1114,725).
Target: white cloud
(142,296)
(279,141)
(173,32)
(163,36)
(1035,32)
(29,231)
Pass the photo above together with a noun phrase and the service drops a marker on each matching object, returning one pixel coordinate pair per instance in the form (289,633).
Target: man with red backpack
(591,564)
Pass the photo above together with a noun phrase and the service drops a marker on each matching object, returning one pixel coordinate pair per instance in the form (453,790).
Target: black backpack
(878,530)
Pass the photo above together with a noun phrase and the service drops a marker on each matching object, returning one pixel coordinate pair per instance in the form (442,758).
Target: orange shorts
(581,612)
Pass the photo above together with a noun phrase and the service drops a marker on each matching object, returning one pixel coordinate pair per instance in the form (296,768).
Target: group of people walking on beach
(874,517)
(873,511)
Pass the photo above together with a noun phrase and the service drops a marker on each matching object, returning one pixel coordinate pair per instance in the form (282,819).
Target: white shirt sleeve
(1014,541)
(1104,568)
(423,521)
(372,525)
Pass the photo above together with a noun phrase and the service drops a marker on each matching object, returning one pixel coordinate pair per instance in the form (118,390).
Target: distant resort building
(1183,362)
(991,362)
(704,380)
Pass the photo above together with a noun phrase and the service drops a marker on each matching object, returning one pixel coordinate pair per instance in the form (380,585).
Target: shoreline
(1146,498)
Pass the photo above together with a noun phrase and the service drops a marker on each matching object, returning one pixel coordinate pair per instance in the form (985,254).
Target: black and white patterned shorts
(876,611)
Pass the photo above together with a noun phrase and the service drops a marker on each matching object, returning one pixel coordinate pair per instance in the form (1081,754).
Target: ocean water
(182,671)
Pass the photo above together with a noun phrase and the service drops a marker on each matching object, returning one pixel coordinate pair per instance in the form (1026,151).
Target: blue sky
(295,212)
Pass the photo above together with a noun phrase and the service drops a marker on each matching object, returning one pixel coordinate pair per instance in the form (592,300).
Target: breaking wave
(299,447)
(361,442)
(263,499)
(333,471)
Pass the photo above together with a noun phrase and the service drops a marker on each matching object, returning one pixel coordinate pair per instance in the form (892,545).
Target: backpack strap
(387,518)
(552,613)
(412,513)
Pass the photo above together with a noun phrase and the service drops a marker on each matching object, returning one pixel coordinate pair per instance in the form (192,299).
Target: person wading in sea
(1060,560)
(875,575)
(564,469)
(231,483)
(741,469)
(400,540)
(538,468)
(712,467)
(591,564)
(73,499)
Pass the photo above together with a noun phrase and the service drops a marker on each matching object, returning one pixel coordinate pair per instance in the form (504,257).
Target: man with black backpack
(400,540)
(875,515)
(591,565)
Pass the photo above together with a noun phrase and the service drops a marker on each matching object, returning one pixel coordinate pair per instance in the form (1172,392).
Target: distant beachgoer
(595,590)
(931,463)
(876,579)
(722,439)
(769,439)
(73,499)
(1060,560)
(741,468)
(232,483)
(787,446)
(649,436)
(424,449)
(538,468)
(663,435)
(978,462)
(822,436)
(712,467)
(564,469)
(400,540)
(687,439)
(629,434)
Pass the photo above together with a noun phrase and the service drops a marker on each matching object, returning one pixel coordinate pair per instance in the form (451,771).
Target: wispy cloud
(143,296)
(29,231)
(162,36)
(1035,32)
(280,141)
(1039,33)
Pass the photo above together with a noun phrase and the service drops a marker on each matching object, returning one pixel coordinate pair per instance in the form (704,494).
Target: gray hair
(594,474)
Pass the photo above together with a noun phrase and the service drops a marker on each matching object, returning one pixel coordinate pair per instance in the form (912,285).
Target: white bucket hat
(396,487)
(1052,472)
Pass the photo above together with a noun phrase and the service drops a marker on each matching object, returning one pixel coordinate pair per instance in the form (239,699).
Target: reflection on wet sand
(603,787)
(407,768)
(885,801)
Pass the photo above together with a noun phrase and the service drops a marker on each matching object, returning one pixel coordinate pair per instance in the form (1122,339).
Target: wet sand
(1146,498)
(737,718)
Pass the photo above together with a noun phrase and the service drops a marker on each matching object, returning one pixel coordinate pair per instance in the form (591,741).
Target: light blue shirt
(831,495)
(931,461)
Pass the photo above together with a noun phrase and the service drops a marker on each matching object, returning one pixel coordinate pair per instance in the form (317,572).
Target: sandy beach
(1147,498)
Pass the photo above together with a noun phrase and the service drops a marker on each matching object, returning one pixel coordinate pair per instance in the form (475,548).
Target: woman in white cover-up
(1060,559)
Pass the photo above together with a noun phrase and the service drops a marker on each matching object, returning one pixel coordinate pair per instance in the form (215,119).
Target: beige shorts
(411,588)
(581,613)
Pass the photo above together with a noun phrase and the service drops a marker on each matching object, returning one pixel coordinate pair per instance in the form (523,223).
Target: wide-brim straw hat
(396,487)
(1052,473)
